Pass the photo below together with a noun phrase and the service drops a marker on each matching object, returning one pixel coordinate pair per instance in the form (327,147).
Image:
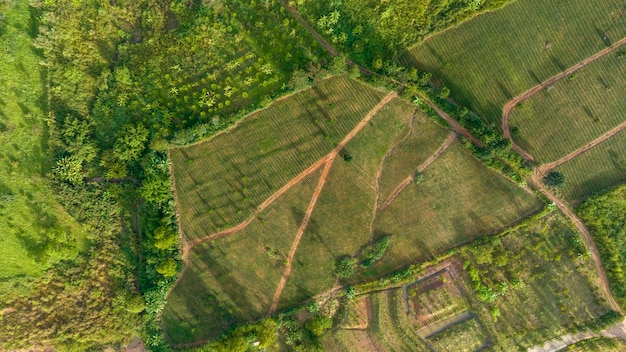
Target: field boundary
(508,107)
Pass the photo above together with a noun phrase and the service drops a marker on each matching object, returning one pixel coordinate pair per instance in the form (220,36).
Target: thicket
(605,215)
(373,32)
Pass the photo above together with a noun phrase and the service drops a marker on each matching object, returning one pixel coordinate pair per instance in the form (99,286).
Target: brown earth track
(547,167)
(407,181)
(263,205)
(331,157)
(506,110)
(538,173)
(296,241)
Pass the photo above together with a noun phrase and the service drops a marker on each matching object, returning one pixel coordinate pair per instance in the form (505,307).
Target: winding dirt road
(506,110)
(538,173)
(407,181)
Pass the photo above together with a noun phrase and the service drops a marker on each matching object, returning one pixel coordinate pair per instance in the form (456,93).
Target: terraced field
(457,199)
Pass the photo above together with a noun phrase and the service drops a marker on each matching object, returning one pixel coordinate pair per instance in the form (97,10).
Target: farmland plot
(595,170)
(340,223)
(221,181)
(232,280)
(426,136)
(435,299)
(457,200)
(496,56)
(573,112)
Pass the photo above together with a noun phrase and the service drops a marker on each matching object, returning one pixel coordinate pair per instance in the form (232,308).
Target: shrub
(345,267)
(372,253)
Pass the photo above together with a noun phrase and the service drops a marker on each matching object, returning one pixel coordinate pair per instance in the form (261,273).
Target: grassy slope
(221,181)
(490,59)
(556,122)
(457,200)
(237,271)
(340,223)
(27,212)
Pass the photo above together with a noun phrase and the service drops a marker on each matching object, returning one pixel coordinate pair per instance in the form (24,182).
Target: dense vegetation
(373,32)
(605,215)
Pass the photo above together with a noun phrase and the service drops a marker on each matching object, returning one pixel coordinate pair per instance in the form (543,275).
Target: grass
(233,280)
(466,336)
(458,199)
(221,181)
(555,122)
(496,56)
(595,170)
(28,214)
(556,294)
(354,315)
(426,136)
(340,223)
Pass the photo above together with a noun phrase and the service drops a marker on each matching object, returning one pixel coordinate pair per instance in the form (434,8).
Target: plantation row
(246,165)
(573,112)
(532,40)
(601,167)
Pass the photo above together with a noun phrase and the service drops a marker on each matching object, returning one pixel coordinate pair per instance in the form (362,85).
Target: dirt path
(329,162)
(407,181)
(595,254)
(263,205)
(296,241)
(506,110)
(547,167)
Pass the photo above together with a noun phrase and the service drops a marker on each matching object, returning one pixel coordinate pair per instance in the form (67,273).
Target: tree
(168,268)
(554,179)
(130,142)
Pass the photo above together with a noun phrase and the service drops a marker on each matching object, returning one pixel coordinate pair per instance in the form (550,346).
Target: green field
(457,200)
(496,56)
(595,170)
(36,231)
(232,280)
(340,223)
(221,181)
(555,122)
(426,136)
